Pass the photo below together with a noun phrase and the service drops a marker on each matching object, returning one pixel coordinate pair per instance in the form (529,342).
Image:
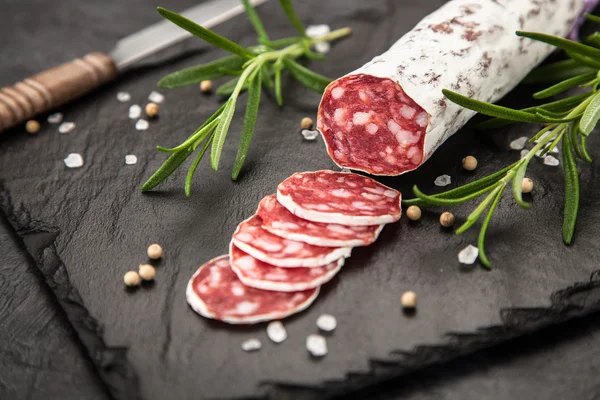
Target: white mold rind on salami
(257,274)
(339,198)
(466,46)
(251,238)
(236,303)
(281,222)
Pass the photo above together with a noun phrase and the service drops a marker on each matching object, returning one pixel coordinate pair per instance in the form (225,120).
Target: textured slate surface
(40,355)
(86,227)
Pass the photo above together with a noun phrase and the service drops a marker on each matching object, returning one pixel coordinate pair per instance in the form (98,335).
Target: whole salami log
(389,116)
(216,292)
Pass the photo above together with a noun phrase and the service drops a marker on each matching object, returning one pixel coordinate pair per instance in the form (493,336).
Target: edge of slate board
(121,379)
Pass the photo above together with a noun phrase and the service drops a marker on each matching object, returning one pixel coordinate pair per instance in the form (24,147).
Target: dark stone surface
(40,355)
(84,228)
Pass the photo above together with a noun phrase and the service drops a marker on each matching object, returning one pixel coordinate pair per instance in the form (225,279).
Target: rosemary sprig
(252,69)
(571,120)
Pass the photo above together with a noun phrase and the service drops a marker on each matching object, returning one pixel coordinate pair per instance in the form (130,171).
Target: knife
(61,84)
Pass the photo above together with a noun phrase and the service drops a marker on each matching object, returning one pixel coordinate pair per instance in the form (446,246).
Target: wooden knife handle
(54,87)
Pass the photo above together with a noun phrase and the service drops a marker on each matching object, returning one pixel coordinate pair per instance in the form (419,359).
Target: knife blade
(61,84)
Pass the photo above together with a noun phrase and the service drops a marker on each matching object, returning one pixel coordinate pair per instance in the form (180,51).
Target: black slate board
(86,227)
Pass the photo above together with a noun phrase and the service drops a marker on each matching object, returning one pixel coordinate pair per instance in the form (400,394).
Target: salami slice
(257,274)
(339,198)
(264,246)
(281,222)
(216,292)
(388,116)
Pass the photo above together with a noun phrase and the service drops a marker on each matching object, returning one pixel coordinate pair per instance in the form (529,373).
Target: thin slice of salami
(281,222)
(260,275)
(388,116)
(272,249)
(339,198)
(216,292)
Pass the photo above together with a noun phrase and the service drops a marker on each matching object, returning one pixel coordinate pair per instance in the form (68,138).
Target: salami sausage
(264,246)
(388,116)
(215,292)
(339,198)
(257,274)
(281,222)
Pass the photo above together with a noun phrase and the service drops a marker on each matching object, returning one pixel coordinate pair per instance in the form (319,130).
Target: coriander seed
(526,185)
(151,110)
(132,278)
(413,213)
(306,123)
(147,272)
(155,251)
(447,219)
(469,163)
(206,86)
(32,126)
(409,299)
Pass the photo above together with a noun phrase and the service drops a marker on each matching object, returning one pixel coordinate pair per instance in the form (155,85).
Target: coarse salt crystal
(123,97)
(468,255)
(55,118)
(322,47)
(316,345)
(313,31)
(74,160)
(519,143)
(552,161)
(251,344)
(156,97)
(135,111)
(442,180)
(130,159)
(309,135)
(326,322)
(141,125)
(66,127)
(276,332)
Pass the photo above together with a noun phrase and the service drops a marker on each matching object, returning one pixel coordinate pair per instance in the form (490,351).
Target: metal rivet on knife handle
(54,87)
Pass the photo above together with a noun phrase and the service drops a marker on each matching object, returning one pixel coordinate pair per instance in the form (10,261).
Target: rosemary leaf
(205,34)
(432,200)
(278,95)
(474,216)
(584,149)
(199,73)
(494,110)
(198,135)
(556,72)
(192,170)
(255,21)
(593,39)
(483,230)
(265,74)
(464,190)
(574,132)
(571,191)
(221,133)
(591,115)
(581,59)
(306,77)
(564,85)
(248,125)
(290,12)
(593,18)
(565,44)
(169,166)
(517,180)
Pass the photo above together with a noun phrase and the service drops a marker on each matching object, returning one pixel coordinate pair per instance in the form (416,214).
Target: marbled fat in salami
(340,198)
(216,292)
(281,222)
(272,249)
(260,275)
(388,116)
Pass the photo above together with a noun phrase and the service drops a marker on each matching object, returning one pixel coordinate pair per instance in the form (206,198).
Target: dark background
(70,330)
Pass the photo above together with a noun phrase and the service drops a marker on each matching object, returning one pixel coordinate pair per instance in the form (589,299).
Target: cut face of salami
(264,246)
(370,124)
(388,116)
(339,198)
(215,292)
(281,222)
(257,274)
